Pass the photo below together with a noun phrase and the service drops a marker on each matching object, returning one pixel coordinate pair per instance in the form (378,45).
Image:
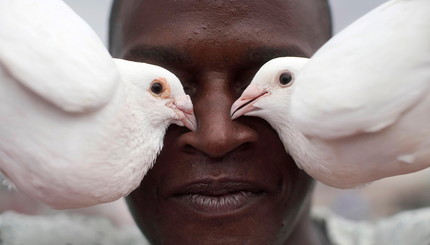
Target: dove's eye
(156,88)
(285,78)
(160,88)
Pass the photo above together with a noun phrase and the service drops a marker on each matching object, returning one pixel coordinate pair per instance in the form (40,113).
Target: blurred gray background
(379,199)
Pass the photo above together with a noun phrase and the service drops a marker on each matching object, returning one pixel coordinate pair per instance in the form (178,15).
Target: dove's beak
(185,112)
(245,103)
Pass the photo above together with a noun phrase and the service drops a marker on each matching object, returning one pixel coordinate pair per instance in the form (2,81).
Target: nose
(216,134)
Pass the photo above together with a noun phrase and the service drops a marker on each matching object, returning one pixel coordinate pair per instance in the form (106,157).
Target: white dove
(359,109)
(268,97)
(77,128)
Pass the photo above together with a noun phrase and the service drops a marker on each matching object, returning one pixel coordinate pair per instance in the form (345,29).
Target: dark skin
(229,182)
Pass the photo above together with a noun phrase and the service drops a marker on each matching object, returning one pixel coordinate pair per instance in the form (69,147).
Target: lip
(217,197)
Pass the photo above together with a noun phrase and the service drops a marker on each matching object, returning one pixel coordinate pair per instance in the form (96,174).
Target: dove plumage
(361,103)
(366,77)
(77,128)
(268,97)
(366,93)
(36,33)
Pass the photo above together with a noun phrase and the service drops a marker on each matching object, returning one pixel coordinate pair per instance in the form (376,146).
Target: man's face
(229,182)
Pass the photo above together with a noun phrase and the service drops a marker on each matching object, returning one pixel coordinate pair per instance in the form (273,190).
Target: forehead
(296,24)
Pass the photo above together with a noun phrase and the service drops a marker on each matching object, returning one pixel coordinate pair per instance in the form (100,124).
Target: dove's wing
(61,107)
(367,76)
(80,76)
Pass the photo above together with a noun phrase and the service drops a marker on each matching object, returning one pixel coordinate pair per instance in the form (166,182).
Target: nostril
(187,141)
(189,149)
(216,141)
(245,146)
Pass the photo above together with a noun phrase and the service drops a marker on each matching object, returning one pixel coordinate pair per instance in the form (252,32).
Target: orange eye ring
(160,88)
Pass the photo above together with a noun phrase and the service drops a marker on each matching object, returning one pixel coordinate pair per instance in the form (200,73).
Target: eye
(160,88)
(285,78)
(190,90)
(156,88)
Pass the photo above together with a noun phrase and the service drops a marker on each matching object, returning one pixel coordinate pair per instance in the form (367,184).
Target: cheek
(293,184)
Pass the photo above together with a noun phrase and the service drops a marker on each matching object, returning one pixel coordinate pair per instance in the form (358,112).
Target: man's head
(229,182)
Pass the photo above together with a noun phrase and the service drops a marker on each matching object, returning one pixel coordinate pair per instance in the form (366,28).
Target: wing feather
(50,50)
(367,76)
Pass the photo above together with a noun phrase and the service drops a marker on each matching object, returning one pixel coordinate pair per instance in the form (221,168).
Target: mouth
(245,104)
(218,197)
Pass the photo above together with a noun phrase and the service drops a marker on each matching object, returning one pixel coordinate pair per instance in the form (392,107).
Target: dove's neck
(306,155)
(309,156)
(73,161)
(315,158)
(127,148)
(130,148)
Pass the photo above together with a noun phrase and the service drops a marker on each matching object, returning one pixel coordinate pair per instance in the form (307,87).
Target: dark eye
(190,90)
(156,88)
(285,78)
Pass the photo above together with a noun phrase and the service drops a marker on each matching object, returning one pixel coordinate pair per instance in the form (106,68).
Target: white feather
(76,127)
(274,108)
(365,95)
(366,77)
(35,33)
(358,111)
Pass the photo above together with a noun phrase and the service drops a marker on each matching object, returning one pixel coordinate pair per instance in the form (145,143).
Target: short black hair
(115,10)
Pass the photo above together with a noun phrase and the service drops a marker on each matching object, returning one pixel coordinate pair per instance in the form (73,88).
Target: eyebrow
(264,54)
(173,55)
(163,54)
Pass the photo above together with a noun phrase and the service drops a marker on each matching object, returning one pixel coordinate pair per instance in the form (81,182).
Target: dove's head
(160,92)
(268,93)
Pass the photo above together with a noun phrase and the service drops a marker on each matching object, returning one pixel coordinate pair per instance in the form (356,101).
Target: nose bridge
(216,133)
(215,95)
